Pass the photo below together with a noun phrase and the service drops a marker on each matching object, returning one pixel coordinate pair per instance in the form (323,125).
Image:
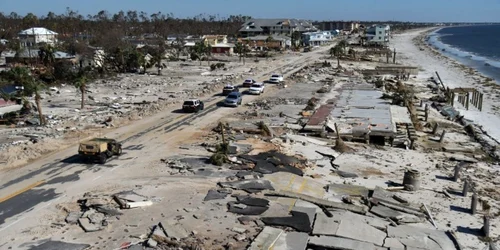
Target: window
(380,32)
(379,38)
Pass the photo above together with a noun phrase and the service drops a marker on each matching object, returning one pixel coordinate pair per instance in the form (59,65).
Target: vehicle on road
(193,105)
(275,78)
(248,83)
(256,88)
(233,99)
(99,149)
(229,89)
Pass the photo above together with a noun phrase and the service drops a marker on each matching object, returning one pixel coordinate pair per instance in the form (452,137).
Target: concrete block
(266,239)
(344,189)
(174,231)
(385,212)
(358,230)
(323,225)
(152,243)
(73,217)
(406,233)
(393,243)
(87,226)
(340,243)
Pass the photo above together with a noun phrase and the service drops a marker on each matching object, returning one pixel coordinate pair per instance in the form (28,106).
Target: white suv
(256,88)
(275,78)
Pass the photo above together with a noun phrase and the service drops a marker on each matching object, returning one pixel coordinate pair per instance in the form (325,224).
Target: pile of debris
(98,211)
(177,167)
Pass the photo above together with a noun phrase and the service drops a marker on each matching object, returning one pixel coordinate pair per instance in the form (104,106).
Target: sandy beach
(453,74)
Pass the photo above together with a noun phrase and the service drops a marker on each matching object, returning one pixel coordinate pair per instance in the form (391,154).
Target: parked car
(229,89)
(233,99)
(275,78)
(248,83)
(193,105)
(256,89)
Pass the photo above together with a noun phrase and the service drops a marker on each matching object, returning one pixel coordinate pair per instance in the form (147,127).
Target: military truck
(99,149)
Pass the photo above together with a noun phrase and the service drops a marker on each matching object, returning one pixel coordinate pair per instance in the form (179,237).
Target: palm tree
(239,48)
(81,84)
(336,51)
(198,51)
(31,87)
(46,54)
(343,44)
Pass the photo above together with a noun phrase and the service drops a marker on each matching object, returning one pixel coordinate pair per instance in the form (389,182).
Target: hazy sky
(378,10)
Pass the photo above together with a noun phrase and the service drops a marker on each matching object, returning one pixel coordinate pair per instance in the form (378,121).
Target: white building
(317,38)
(33,36)
(378,34)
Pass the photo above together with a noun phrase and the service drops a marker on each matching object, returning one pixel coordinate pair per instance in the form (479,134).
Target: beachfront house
(274,42)
(32,37)
(284,26)
(378,34)
(317,38)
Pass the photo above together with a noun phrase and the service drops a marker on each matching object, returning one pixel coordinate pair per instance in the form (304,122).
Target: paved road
(25,191)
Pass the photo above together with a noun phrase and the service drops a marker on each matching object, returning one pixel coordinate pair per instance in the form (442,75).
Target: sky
(362,10)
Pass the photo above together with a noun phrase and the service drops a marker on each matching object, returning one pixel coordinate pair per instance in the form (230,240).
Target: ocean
(475,46)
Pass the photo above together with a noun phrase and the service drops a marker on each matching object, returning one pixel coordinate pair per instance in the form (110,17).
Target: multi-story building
(284,26)
(337,25)
(378,34)
(34,36)
(317,38)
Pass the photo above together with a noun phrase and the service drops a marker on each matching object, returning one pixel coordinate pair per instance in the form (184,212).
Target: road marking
(97,177)
(18,192)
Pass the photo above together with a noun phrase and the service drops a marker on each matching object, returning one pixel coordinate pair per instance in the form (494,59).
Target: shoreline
(414,50)
(446,49)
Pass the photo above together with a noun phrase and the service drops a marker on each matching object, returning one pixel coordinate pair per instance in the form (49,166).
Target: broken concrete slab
(251,186)
(393,243)
(266,239)
(408,218)
(292,241)
(344,189)
(290,182)
(299,221)
(139,204)
(59,245)
(358,230)
(234,207)
(73,217)
(252,201)
(372,221)
(173,230)
(385,212)
(87,226)
(158,234)
(273,166)
(412,232)
(311,212)
(425,243)
(131,196)
(109,211)
(214,194)
(321,202)
(346,174)
(333,242)
(324,225)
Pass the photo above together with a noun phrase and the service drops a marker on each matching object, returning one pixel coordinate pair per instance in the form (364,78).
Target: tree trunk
(338,62)
(82,90)
(39,108)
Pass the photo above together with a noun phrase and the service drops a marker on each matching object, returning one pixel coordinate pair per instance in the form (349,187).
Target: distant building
(337,25)
(214,39)
(378,34)
(34,36)
(33,56)
(255,27)
(317,38)
(261,42)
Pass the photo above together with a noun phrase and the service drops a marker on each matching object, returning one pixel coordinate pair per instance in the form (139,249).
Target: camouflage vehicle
(99,149)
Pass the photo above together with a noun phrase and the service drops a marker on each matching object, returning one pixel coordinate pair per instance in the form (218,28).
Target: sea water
(476,46)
